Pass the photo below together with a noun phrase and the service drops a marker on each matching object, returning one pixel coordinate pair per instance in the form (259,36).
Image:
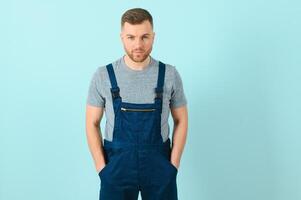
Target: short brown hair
(136,16)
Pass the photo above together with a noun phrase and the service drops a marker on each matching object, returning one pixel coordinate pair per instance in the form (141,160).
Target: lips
(138,51)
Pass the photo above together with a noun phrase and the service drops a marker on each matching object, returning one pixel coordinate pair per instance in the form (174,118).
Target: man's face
(137,40)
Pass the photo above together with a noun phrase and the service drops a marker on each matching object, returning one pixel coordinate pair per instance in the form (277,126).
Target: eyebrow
(134,36)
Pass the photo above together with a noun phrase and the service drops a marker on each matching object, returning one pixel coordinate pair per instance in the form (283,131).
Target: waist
(138,146)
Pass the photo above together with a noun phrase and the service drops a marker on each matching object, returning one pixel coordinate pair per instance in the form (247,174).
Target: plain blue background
(240,65)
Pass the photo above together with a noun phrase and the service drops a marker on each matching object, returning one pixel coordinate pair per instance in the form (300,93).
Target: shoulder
(101,70)
(101,75)
(170,71)
(169,68)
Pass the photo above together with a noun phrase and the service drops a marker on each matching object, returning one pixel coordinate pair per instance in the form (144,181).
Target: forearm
(95,146)
(178,142)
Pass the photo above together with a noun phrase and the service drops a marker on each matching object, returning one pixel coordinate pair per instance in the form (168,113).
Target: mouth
(138,51)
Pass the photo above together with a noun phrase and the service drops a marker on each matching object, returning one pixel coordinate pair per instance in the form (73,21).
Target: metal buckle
(115,92)
(159,95)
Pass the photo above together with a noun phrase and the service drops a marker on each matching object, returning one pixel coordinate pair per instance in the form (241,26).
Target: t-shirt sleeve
(95,97)
(178,97)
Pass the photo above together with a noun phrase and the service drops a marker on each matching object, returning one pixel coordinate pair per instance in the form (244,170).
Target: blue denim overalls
(137,159)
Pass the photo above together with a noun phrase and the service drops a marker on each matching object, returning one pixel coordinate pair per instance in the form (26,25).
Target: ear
(121,36)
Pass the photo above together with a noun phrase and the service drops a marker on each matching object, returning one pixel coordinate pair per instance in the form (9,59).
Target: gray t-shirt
(136,86)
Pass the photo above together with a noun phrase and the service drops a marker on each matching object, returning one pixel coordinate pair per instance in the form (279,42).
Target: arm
(93,133)
(180,118)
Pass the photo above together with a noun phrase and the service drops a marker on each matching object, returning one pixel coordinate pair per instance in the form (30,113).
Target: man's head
(137,33)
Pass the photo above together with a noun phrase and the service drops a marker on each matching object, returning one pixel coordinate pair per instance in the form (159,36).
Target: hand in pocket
(100,169)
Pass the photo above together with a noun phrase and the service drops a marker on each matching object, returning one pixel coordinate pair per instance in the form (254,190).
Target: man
(137,92)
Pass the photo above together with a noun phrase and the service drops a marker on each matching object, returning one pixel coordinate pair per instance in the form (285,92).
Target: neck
(136,65)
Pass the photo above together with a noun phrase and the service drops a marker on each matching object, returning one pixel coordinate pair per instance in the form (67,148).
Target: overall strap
(114,89)
(160,81)
(160,84)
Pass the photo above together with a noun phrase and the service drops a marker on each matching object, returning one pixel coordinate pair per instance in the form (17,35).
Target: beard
(138,57)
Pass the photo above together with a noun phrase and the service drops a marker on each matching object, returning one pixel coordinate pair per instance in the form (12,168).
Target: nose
(138,43)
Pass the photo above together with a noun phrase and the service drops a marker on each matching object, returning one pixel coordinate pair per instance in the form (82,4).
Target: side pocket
(166,156)
(108,157)
(100,172)
(176,169)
